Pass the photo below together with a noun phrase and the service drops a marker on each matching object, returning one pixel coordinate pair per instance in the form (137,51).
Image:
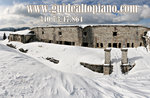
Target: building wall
(21,38)
(59,34)
(87,37)
(16,37)
(102,36)
(28,38)
(124,34)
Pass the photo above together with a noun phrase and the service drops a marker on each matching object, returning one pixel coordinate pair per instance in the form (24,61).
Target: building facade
(98,36)
(22,38)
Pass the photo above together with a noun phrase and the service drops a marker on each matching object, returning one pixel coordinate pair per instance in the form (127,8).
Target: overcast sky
(14,13)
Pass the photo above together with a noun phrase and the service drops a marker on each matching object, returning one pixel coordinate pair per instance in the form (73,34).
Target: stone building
(98,36)
(68,35)
(22,36)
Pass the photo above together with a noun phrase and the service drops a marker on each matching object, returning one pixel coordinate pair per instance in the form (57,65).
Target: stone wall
(61,35)
(124,58)
(28,38)
(87,37)
(102,36)
(21,38)
(16,37)
(118,36)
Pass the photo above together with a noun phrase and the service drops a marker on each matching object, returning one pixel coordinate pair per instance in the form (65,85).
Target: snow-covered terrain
(2,33)
(23,32)
(30,75)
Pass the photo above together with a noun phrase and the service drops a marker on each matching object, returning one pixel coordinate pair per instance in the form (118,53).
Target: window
(85,33)
(119,45)
(42,32)
(140,43)
(85,44)
(97,45)
(109,44)
(114,33)
(67,43)
(73,43)
(60,33)
(132,45)
(115,45)
(101,45)
(50,41)
(60,42)
(128,44)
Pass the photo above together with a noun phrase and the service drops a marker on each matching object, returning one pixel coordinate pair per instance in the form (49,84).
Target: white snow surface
(30,75)
(2,33)
(22,32)
(148,34)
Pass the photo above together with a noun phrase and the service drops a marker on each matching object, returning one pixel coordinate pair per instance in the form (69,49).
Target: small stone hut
(25,36)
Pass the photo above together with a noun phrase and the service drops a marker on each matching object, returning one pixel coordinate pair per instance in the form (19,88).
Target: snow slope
(24,77)
(30,75)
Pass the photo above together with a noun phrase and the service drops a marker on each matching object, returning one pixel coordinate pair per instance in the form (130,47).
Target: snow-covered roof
(85,25)
(23,32)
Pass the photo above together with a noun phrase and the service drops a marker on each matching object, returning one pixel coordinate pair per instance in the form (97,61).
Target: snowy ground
(30,75)
(2,33)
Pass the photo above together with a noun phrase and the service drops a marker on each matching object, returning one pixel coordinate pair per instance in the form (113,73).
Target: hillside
(13,29)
